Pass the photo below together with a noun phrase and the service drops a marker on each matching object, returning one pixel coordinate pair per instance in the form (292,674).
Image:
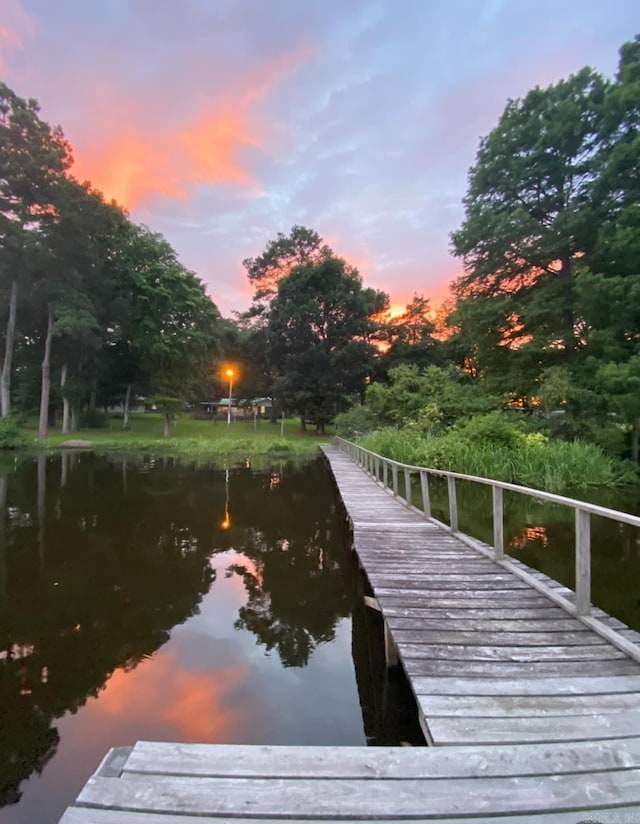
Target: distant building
(241,409)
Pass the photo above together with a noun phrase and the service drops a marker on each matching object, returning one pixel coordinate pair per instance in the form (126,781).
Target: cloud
(160,154)
(16,27)
(196,705)
(134,166)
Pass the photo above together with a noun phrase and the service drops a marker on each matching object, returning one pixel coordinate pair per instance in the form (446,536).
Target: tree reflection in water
(100,557)
(298,582)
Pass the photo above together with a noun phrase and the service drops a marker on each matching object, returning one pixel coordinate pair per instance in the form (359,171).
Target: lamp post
(229,374)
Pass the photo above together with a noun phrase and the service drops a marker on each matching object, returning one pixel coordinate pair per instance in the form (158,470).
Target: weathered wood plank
(417,634)
(464,599)
(436,652)
(547,612)
(381,763)
(517,729)
(512,669)
(555,685)
(431,583)
(488,627)
(239,797)
(513,706)
(89,815)
(92,815)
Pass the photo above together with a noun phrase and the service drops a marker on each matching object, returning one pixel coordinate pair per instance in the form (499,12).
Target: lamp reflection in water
(227,518)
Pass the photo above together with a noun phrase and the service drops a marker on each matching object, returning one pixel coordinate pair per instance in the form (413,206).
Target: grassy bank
(192,439)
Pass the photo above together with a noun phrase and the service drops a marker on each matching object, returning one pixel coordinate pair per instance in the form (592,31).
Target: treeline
(93,306)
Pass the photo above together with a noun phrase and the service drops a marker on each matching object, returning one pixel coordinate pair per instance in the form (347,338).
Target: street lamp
(229,374)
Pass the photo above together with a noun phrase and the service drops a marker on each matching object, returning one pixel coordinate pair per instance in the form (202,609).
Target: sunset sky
(222,122)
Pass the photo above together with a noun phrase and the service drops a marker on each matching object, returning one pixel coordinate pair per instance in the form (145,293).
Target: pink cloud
(198,706)
(169,159)
(16,26)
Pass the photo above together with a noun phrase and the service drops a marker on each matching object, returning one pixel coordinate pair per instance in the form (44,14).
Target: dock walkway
(532,716)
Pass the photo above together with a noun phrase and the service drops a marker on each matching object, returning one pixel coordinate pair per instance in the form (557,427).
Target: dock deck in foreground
(533,717)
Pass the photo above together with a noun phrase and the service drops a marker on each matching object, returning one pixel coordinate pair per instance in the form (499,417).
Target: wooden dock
(532,715)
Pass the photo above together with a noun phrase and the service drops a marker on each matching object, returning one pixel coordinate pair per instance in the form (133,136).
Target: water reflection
(131,609)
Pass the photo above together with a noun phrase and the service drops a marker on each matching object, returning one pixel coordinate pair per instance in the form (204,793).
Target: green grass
(193,439)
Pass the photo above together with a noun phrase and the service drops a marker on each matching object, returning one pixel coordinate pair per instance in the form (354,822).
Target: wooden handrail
(373,462)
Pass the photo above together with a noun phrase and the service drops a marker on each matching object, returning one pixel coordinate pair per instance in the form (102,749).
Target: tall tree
(529,220)
(280,256)
(169,329)
(78,288)
(320,326)
(33,160)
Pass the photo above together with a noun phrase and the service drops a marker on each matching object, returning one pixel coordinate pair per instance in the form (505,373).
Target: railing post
(377,465)
(583,562)
(424,486)
(498,523)
(453,504)
(407,486)
(394,475)
(385,473)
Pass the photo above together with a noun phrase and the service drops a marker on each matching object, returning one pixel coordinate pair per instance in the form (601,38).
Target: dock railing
(387,473)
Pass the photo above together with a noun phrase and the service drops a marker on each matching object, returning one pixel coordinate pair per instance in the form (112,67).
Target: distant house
(263,406)
(241,409)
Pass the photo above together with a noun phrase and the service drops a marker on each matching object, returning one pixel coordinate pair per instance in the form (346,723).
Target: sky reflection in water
(101,557)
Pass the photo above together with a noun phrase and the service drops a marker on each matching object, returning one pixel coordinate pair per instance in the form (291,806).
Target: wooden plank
(362,798)
(511,669)
(397,606)
(427,583)
(417,634)
(92,815)
(450,730)
(555,685)
(381,763)
(495,627)
(511,706)
(436,652)
(462,599)
(88,815)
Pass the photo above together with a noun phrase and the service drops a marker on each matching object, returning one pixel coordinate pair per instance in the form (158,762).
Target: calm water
(144,599)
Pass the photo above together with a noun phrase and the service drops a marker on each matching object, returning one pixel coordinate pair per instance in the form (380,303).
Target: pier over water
(528,695)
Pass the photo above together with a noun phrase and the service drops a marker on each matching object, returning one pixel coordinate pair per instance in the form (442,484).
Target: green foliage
(319,329)
(494,428)
(429,399)
(547,312)
(11,435)
(92,418)
(356,422)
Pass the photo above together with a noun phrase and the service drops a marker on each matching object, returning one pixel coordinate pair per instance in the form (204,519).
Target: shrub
(357,421)
(10,435)
(94,419)
(493,428)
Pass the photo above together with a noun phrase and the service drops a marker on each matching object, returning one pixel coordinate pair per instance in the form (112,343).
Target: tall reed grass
(532,461)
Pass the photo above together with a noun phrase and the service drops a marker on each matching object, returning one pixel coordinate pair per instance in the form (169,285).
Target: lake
(147,599)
